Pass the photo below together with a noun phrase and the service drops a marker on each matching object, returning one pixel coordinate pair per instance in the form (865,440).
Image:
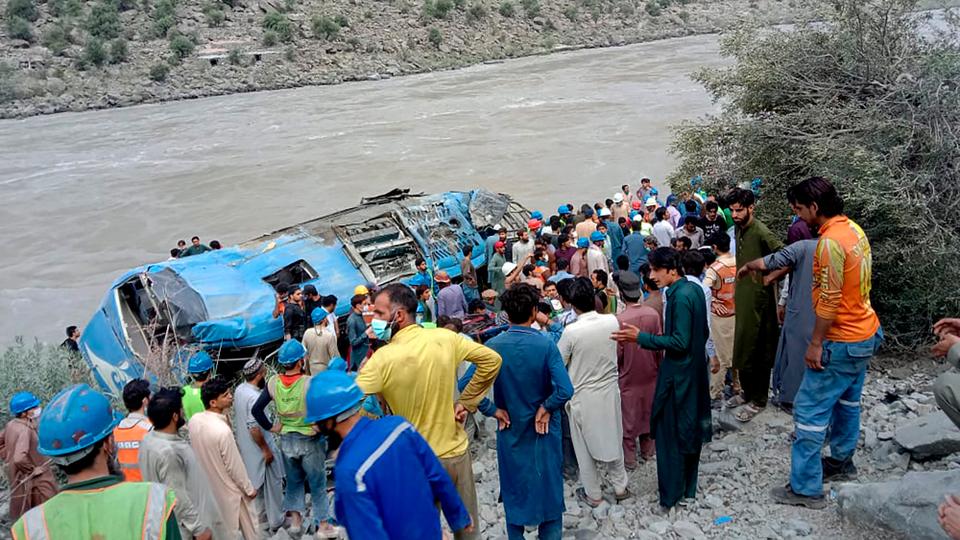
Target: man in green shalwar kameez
(756,335)
(680,420)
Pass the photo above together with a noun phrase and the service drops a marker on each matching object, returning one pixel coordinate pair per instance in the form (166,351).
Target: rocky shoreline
(211,48)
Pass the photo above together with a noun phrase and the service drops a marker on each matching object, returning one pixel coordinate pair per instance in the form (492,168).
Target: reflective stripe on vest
(128,448)
(35,527)
(727,276)
(155,516)
(291,404)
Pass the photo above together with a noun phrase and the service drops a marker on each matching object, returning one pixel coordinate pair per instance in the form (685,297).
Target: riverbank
(88,59)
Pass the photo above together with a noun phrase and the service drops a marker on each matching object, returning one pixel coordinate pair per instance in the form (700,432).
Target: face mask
(35,413)
(381,329)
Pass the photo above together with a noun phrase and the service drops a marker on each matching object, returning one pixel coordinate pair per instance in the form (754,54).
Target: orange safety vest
(723,296)
(127,437)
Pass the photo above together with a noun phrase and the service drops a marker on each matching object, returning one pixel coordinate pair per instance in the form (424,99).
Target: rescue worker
(304,452)
(133,428)
(199,368)
(75,433)
(387,476)
(28,472)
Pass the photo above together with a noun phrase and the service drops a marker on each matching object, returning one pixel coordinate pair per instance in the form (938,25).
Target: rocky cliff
(70,55)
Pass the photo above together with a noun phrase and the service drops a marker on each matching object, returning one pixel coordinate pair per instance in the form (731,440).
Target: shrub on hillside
(342,21)
(435,37)
(94,53)
(869,100)
(55,39)
(25,9)
(104,20)
(507,9)
(65,8)
(531,7)
(181,46)
(213,12)
(571,13)
(234,58)
(279,24)
(476,12)
(437,9)
(653,8)
(270,38)
(118,51)
(159,71)
(324,27)
(19,28)
(8,83)
(38,368)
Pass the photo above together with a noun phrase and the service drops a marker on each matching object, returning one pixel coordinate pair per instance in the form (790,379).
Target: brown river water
(86,196)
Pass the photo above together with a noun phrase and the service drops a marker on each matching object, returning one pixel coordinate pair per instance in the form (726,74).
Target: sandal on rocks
(582,497)
(748,412)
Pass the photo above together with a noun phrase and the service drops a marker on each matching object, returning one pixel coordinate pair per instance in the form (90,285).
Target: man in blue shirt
(387,477)
(633,246)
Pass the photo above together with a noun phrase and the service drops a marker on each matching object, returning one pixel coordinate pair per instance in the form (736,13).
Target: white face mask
(35,413)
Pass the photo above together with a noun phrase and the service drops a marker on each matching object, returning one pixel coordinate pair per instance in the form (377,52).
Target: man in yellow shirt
(416,374)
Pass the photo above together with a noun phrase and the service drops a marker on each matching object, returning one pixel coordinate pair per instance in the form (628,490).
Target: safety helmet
(318,314)
(360,289)
(536,214)
(604,212)
(23,401)
(597,236)
(291,351)
(635,205)
(337,364)
(583,242)
(330,394)
(563,210)
(75,419)
(200,362)
(533,224)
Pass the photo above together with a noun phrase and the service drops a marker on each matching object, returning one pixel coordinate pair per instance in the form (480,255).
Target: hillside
(69,55)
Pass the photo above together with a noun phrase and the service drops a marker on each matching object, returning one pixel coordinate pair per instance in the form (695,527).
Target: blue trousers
(829,399)
(304,461)
(548,530)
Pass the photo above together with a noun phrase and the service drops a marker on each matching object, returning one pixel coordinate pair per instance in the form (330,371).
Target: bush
(39,368)
(342,21)
(94,53)
(460,4)
(476,12)
(159,71)
(270,38)
(104,20)
(118,51)
(181,46)
(65,8)
(8,83)
(165,8)
(324,27)
(437,9)
(25,9)
(279,24)
(653,8)
(531,7)
(571,13)
(435,37)
(507,9)
(19,28)
(214,14)
(162,26)
(862,100)
(55,39)
(234,57)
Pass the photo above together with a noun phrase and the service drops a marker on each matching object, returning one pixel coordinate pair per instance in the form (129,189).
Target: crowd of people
(599,338)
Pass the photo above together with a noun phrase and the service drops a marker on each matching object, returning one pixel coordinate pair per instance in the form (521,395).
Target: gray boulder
(931,436)
(907,506)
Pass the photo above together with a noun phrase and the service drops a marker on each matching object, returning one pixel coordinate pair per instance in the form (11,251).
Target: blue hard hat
(318,314)
(76,418)
(588,212)
(563,209)
(200,362)
(634,213)
(291,351)
(536,214)
(583,242)
(23,401)
(331,393)
(654,192)
(597,236)
(337,364)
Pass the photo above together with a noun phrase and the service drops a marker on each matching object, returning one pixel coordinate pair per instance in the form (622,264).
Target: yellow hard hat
(360,289)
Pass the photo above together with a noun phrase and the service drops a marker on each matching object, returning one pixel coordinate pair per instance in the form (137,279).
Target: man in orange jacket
(133,428)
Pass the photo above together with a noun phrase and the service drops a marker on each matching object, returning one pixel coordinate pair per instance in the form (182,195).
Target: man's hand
(781,313)
(207,534)
(541,422)
(948,515)
(813,357)
(469,528)
(947,326)
(714,365)
(276,428)
(460,413)
(252,494)
(267,456)
(503,419)
(627,334)
(943,346)
(744,271)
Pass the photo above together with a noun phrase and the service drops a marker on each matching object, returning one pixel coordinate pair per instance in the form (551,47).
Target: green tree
(118,51)
(25,9)
(279,24)
(104,20)
(55,39)
(19,28)
(94,53)
(65,8)
(324,27)
(181,46)
(869,100)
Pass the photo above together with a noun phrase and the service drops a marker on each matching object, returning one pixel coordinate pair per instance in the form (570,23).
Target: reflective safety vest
(192,403)
(291,402)
(723,296)
(123,511)
(127,437)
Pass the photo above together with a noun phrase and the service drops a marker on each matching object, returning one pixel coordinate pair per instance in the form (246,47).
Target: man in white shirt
(662,230)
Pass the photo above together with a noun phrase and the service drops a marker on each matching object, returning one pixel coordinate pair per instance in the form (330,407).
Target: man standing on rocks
(416,373)
(638,373)
(530,390)
(28,473)
(680,419)
(596,421)
(756,334)
(845,336)
(721,279)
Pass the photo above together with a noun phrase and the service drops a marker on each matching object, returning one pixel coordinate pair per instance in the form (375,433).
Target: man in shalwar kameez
(596,423)
(638,372)
(529,391)
(680,421)
(756,334)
